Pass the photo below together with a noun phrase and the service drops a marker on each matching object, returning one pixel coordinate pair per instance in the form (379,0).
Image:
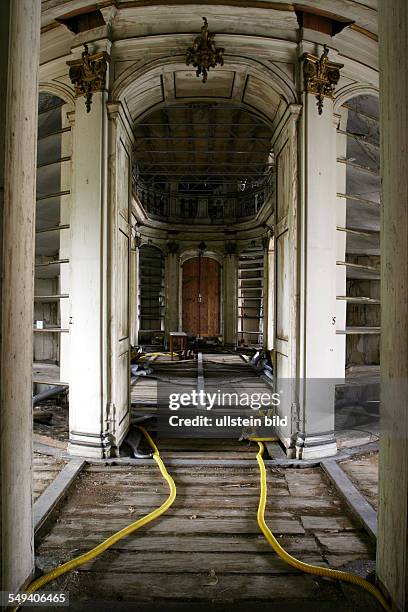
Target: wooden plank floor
(363,472)
(144,388)
(208,546)
(45,470)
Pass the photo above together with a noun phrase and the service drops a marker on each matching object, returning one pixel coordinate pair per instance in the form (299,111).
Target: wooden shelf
(51,330)
(56,194)
(359,331)
(258,279)
(52,263)
(359,232)
(374,171)
(46,381)
(50,298)
(356,198)
(45,373)
(61,160)
(61,131)
(359,137)
(55,228)
(358,300)
(360,272)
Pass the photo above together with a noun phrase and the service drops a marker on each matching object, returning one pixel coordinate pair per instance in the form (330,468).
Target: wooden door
(201,297)
(120,234)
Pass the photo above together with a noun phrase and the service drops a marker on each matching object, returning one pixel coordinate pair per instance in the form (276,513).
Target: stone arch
(61,91)
(353,91)
(130,83)
(212,253)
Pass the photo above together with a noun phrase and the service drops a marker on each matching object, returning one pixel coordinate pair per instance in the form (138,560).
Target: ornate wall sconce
(88,74)
(321,76)
(172,247)
(204,55)
(231,248)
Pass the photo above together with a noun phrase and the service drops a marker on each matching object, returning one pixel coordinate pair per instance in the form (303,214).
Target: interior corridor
(194,205)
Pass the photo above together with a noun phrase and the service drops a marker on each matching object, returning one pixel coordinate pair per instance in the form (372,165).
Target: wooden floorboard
(363,473)
(208,547)
(45,470)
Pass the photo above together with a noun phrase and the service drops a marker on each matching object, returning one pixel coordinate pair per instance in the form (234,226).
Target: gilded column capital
(88,74)
(320,76)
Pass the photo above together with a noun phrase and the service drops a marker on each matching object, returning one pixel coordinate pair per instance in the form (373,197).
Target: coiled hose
(98,550)
(300,565)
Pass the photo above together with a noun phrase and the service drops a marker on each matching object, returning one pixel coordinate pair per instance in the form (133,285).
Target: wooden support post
(392,550)
(19,61)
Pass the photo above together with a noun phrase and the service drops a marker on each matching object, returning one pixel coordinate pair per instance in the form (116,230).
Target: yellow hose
(300,565)
(281,552)
(148,356)
(98,550)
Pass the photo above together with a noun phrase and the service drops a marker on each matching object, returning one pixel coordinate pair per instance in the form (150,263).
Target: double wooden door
(201,297)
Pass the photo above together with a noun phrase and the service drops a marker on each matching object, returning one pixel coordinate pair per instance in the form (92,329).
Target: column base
(316,446)
(95,446)
(287,442)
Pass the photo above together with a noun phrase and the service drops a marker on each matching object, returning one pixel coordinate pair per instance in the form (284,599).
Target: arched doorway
(201,279)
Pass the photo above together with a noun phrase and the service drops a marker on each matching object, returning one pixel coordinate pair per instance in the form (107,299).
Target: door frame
(192,254)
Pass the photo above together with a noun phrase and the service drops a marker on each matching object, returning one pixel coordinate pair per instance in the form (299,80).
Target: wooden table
(181,339)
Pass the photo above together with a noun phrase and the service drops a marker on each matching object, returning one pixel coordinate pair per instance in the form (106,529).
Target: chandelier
(204,55)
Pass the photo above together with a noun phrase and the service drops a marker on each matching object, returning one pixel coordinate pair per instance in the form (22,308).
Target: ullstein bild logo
(227,421)
(190,413)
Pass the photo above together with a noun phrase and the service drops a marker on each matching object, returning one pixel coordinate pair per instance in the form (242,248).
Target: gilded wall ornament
(172,247)
(231,248)
(321,76)
(88,74)
(204,55)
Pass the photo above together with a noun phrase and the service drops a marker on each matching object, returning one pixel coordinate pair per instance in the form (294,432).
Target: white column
(392,545)
(318,281)
(19,61)
(88,392)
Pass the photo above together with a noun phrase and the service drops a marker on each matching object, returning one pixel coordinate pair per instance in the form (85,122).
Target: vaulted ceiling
(204,142)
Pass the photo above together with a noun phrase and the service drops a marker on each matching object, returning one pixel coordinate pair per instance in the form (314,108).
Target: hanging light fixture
(204,55)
